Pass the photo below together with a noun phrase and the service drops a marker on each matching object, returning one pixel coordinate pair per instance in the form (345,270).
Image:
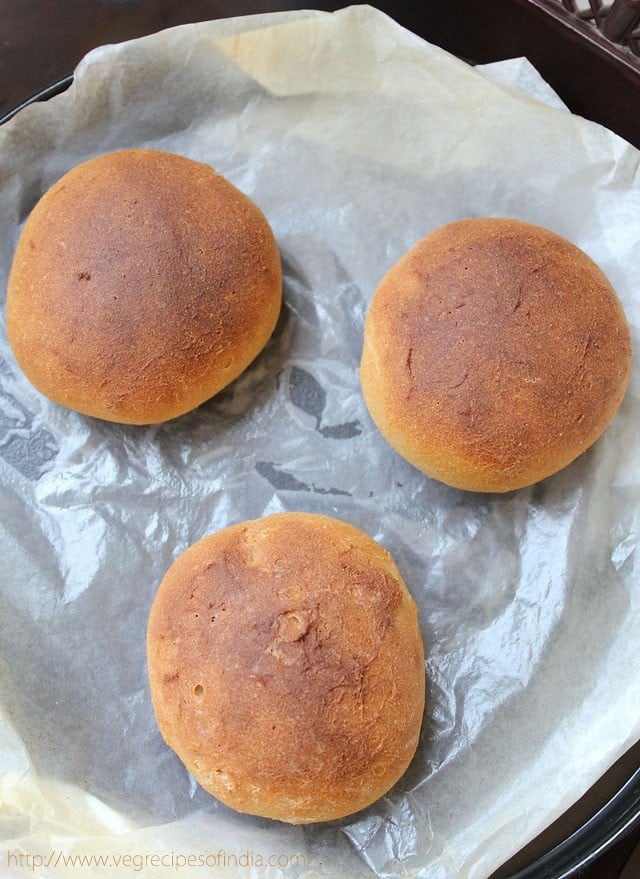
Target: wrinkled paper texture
(356,138)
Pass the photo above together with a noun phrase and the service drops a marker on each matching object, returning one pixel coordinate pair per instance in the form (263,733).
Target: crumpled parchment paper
(356,138)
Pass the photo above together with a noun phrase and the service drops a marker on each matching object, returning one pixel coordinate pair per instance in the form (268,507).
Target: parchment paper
(356,138)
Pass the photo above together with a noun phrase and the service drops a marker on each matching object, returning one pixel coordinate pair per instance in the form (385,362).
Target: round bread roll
(495,352)
(286,667)
(142,284)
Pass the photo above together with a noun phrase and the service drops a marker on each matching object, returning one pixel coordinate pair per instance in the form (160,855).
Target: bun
(495,352)
(286,667)
(142,284)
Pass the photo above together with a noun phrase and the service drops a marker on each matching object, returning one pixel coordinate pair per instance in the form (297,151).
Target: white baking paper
(356,138)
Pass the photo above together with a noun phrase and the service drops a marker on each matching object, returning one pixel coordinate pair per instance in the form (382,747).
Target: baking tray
(604,815)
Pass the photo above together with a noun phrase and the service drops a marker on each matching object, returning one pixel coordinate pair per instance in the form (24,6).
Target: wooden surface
(42,41)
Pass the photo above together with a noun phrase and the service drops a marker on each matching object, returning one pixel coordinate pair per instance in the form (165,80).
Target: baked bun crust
(142,284)
(495,352)
(286,667)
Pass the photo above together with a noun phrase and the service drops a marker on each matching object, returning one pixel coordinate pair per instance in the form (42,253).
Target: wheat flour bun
(142,284)
(286,667)
(495,352)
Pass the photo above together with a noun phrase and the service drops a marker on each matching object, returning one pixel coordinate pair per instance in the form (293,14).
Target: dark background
(42,41)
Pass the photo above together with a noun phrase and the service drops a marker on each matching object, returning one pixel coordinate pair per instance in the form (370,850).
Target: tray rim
(49,91)
(608,825)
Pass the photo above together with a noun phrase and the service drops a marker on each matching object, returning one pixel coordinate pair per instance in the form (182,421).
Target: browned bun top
(286,667)
(495,353)
(142,284)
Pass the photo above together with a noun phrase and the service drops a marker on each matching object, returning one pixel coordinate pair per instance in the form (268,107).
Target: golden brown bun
(143,283)
(286,667)
(495,352)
